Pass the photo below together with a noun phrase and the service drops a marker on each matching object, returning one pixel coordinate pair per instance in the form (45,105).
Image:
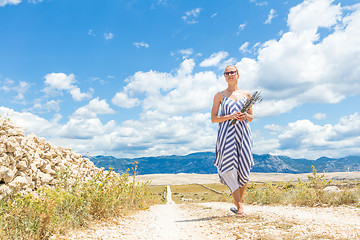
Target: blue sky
(137,78)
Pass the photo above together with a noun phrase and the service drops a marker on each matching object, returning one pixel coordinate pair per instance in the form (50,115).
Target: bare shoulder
(218,96)
(247,94)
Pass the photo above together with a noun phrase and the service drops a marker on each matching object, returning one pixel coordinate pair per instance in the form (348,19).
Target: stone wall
(28,162)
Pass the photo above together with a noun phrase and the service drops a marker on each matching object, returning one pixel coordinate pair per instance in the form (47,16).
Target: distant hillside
(202,163)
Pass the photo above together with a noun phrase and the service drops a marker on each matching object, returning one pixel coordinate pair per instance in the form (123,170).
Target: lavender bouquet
(255,98)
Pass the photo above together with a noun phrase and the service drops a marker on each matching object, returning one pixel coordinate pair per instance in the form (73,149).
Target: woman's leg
(238,195)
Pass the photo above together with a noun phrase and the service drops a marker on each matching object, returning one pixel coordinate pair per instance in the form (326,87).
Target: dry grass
(55,210)
(297,193)
(195,193)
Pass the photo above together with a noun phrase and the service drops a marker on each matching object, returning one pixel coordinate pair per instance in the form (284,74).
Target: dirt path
(215,221)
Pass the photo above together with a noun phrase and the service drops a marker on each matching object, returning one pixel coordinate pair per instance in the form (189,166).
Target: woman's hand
(238,116)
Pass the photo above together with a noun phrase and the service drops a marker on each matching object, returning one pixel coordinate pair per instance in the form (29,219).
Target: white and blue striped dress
(233,155)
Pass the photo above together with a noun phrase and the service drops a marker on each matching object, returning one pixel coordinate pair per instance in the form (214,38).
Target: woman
(234,144)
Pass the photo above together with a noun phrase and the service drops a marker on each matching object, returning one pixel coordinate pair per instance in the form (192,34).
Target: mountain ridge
(202,163)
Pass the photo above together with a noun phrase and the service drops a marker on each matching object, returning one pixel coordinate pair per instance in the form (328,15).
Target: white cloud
(259,3)
(244,48)
(52,105)
(171,94)
(34,1)
(214,59)
(152,135)
(312,14)
(77,95)
(141,44)
(60,82)
(242,26)
(306,139)
(215,14)
(16,2)
(20,89)
(30,122)
(186,52)
(10,2)
(122,100)
(302,68)
(97,79)
(92,109)
(319,116)
(108,35)
(191,16)
(271,15)
(91,33)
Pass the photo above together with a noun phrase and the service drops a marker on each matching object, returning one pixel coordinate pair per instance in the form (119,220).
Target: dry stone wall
(28,162)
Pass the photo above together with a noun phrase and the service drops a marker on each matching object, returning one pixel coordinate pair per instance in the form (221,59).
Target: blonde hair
(237,71)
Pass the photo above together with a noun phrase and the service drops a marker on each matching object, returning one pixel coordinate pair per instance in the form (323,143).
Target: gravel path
(215,221)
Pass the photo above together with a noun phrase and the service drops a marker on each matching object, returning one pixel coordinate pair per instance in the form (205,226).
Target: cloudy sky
(137,78)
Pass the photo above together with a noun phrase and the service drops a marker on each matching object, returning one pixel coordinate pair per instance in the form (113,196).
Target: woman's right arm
(215,118)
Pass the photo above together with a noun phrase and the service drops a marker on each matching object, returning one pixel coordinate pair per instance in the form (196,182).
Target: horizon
(214,153)
(135,79)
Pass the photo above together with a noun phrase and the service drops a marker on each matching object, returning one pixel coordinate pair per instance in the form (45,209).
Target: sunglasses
(230,73)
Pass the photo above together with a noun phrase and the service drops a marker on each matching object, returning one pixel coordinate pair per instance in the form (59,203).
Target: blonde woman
(233,155)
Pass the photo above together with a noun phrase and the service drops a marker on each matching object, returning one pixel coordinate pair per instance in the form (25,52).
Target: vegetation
(298,193)
(303,193)
(54,210)
(51,211)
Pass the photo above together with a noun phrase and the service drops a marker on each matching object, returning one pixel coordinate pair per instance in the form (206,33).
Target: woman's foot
(237,212)
(240,214)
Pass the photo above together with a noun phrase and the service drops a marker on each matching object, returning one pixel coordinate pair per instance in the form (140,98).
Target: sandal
(238,214)
(234,210)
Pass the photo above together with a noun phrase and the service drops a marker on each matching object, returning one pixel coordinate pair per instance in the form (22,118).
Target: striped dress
(233,154)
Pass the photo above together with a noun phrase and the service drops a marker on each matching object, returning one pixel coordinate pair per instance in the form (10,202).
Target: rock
(6,174)
(2,148)
(16,131)
(18,154)
(48,170)
(20,182)
(21,165)
(332,189)
(45,178)
(29,162)
(4,190)
(11,144)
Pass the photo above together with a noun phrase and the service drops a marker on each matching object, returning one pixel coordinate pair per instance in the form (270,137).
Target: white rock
(332,189)
(47,169)
(20,182)
(6,174)
(11,144)
(2,148)
(4,190)
(44,177)
(18,154)
(21,165)
(29,161)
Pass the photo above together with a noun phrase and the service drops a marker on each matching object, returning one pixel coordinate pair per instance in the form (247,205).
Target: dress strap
(222,93)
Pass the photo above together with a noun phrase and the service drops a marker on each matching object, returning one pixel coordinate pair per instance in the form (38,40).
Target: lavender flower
(255,98)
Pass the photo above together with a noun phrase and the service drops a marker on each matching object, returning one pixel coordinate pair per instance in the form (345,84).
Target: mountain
(202,162)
